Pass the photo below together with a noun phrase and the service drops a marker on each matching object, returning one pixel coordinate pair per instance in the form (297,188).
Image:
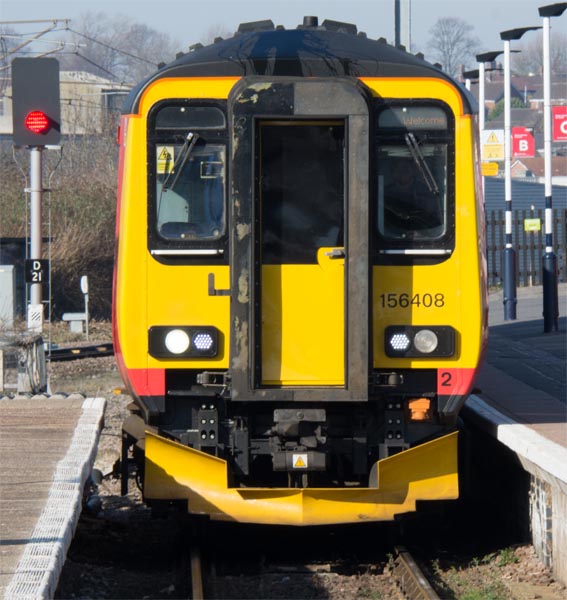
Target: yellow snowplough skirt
(427,472)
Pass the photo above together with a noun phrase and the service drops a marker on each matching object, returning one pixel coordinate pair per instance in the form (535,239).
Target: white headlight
(399,341)
(425,341)
(177,341)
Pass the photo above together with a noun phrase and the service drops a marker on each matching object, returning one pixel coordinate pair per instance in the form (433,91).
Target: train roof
(332,49)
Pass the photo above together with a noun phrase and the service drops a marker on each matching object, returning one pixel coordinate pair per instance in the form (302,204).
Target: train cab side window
(414,207)
(188,153)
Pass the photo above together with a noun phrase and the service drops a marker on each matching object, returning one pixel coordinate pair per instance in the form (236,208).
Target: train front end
(299,305)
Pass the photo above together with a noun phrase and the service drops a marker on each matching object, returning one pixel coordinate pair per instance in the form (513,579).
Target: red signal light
(37,122)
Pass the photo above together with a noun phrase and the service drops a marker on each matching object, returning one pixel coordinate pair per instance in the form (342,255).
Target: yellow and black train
(299,297)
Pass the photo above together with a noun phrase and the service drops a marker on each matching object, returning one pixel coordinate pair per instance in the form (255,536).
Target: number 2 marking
(446,379)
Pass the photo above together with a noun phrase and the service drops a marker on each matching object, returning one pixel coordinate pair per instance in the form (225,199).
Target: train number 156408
(393,300)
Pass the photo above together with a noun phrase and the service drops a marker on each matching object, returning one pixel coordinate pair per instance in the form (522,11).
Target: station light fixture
(549,258)
(509,262)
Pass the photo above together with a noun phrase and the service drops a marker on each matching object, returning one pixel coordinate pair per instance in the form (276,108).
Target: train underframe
(275,445)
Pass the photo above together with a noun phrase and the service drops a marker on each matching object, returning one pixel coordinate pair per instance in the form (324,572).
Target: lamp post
(402,23)
(482,59)
(509,252)
(469,76)
(549,260)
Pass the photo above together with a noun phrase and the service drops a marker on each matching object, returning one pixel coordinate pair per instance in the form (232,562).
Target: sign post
(35,312)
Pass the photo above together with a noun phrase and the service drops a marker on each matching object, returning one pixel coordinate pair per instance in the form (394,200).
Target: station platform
(520,399)
(47,450)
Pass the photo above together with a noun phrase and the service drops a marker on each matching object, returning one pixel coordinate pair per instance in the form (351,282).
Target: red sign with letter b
(523,143)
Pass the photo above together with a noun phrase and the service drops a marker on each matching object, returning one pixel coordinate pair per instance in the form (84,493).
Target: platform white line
(37,574)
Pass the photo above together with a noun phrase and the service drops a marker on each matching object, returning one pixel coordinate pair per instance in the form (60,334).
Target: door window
(301,185)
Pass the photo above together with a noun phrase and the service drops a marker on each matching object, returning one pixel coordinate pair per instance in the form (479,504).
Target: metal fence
(529,245)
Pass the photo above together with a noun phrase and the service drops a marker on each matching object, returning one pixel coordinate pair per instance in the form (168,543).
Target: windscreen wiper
(173,176)
(421,163)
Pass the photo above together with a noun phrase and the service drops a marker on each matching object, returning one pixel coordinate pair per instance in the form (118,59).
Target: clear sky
(191,21)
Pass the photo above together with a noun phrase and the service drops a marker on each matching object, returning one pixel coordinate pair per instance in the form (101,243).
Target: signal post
(36,124)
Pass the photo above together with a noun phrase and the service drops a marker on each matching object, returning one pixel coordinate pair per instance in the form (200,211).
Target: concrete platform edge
(527,443)
(546,462)
(40,566)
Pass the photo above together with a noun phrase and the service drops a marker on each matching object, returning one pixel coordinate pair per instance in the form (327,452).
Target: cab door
(300,193)
(300,239)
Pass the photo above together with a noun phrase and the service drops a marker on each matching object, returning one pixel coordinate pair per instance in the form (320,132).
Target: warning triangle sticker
(492,139)
(164,154)
(299,461)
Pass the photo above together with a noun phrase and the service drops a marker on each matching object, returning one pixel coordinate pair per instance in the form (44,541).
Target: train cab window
(301,189)
(414,189)
(188,178)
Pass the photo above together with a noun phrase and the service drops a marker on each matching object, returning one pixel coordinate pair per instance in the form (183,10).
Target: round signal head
(37,121)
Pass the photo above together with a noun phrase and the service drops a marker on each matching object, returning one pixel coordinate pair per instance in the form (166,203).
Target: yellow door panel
(303,322)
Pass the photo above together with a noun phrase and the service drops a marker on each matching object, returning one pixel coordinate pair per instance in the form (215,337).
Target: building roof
(519,117)
(537,165)
(523,87)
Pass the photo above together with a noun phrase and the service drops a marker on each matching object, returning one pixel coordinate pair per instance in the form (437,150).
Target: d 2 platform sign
(523,143)
(36,270)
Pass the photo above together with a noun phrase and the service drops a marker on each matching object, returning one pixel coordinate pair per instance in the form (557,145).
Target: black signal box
(35,89)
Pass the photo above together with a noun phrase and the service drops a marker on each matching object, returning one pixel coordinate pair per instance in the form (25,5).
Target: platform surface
(523,380)
(47,449)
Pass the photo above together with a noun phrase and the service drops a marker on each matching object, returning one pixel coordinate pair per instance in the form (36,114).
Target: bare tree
(452,44)
(117,47)
(216,31)
(529,61)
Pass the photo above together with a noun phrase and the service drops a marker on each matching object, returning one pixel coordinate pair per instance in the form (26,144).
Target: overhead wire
(77,53)
(112,47)
(94,64)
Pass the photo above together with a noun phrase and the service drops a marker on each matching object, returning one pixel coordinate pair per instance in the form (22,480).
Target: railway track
(271,576)
(196,563)
(410,578)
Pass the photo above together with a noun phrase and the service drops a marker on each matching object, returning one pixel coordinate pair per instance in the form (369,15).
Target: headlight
(177,341)
(425,341)
(183,341)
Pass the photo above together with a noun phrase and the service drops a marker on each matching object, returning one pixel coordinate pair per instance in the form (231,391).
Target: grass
(477,579)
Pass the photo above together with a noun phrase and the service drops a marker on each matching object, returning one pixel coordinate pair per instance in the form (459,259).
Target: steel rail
(413,583)
(196,575)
